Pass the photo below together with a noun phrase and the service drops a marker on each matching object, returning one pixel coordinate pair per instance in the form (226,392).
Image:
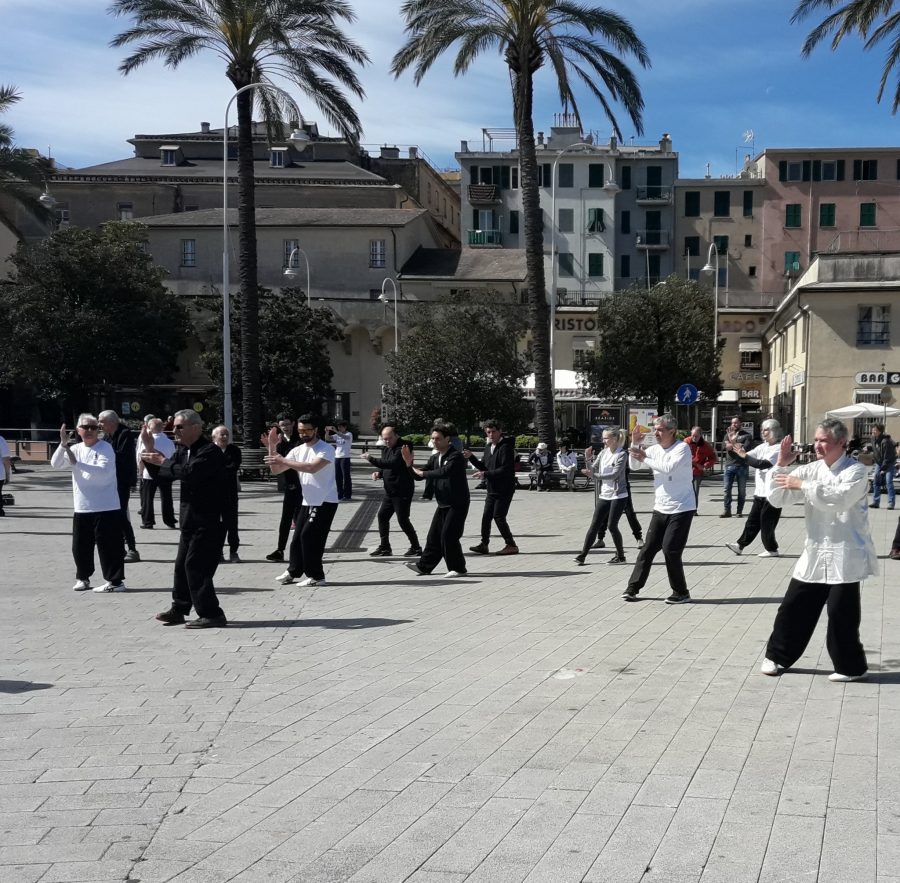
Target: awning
(566,385)
(750,345)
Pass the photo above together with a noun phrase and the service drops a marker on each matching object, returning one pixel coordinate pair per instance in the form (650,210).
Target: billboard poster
(601,417)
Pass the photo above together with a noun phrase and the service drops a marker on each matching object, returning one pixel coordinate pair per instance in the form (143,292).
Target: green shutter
(806,170)
(504,177)
(595,265)
(547,174)
(748,203)
(840,170)
(857,170)
(782,170)
(474,218)
(867,214)
(473,174)
(626,177)
(626,221)
(817,170)
(513,222)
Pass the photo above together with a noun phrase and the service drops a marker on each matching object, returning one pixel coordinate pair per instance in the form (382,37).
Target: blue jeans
(342,478)
(736,472)
(888,473)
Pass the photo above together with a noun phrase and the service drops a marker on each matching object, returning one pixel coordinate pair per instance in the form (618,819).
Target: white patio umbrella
(863,409)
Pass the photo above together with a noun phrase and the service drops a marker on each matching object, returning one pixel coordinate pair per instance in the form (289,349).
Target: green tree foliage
(86,310)
(653,341)
(293,353)
(459,363)
(580,44)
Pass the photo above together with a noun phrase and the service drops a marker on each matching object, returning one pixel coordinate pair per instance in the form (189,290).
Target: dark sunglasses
(177,427)
(92,427)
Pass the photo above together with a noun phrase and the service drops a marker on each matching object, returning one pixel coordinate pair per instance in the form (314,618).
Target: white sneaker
(775,554)
(285,578)
(454,573)
(109,587)
(771,668)
(845,679)
(81,585)
(734,548)
(309,581)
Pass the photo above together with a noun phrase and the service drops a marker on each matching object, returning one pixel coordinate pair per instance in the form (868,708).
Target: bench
(554,478)
(252,466)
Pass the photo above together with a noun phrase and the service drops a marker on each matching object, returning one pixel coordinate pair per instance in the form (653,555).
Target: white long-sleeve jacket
(609,467)
(838,546)
(672,477)
(93,475)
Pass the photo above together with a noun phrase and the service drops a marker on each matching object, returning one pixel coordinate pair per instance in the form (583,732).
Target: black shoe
(207,622)
(617,559)
(412,565)
(131,556)
(172,524)
(147,527)
(579,559)
(381,552)
(277,555)
(172,616)
(413,552)
(234,558)
(678,598)
(630,594)
(725,515)
(599,544)
(874,505)
(480,549)
(640,542)
(890,506)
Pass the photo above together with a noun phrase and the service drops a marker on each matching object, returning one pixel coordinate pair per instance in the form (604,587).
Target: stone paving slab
(519,724)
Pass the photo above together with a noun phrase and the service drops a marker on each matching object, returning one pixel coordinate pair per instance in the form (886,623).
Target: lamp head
(291,272)
(611,187)
(707,268)
(383,297)
(47,201)
(299,137)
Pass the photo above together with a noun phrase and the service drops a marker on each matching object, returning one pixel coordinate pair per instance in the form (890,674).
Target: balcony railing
(652,239)
(483,194)
(485,238)
(654,193)
(569,297)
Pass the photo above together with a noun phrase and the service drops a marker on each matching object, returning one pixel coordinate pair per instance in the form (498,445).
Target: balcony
(485,238)
(569,297)
(483,194)
(654,195)
(652,240)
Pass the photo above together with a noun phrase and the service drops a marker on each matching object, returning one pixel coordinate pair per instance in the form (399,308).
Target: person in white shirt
(149,484)
(609,469)
(97,518)
(313,459)
(5,470)
(838,553)
(567,461)
(673,508)
(342,439)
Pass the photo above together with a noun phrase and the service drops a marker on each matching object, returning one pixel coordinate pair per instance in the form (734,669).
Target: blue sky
(719,68)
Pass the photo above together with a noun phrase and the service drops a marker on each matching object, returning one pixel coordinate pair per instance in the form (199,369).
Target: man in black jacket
(222,439)
(123,442)
(498,468)
(288,484)
(885,452)
(200,467)
(445,473)
(398,492)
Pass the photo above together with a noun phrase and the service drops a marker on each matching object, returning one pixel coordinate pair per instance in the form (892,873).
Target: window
(748,203)
(721,243)
(625,266)
(544,179)
(751,360)
(595,265)
(751,271)
(626,178)
(692,203)
(276,157)
(125,211)
(62,213)
(595,223)
(582,348)
(722,203)
(288,246)
(625,222)
(566,175)
(566,222)
(867,214)
(748,240)
(514,222)
(865,170)
(514,178)
(596,174)
(792,262)
(829,170)
(692,246)
(873,326)
(376,253)
(188,252)
(374,293)
(794,171)
(167,156)
(792,214)
(826,214)
(566,264)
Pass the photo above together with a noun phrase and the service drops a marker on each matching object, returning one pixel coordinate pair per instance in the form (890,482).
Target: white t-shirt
(343,442)
(93,475)
(318,487)
(162,443)
(4,455)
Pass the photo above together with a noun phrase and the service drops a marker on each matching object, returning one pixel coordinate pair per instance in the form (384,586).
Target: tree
(295,370)
(85,310)
(459,362)
(299,40)
(874,21)
(672,344)
(529,33)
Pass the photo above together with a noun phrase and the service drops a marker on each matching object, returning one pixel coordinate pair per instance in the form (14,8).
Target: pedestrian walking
(285,438)
(123,442)
(200,467)
(222,439)
(736,471)
(445,480)
(342,439)
(838,554)
(673,508)
(885,452)
(399,487)
(567,463)
(703,458)
(763,517)
(313,460)
(96,521)
(609,469)
(149,485)
(498,468)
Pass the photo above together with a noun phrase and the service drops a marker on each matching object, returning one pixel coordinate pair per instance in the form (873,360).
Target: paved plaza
(520,724)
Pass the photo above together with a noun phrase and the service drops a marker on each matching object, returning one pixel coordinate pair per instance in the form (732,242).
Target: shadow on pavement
(362,623)
(777,600)
(22,686)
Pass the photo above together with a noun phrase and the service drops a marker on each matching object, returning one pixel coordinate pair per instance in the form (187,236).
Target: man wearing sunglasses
(200,467)
(96,521)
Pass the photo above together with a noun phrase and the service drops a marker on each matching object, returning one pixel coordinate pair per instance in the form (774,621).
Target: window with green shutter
(595,223)
(692,203)
(792,262)
(867,214)
(692,246)
(595,174)
(721,243)
(722,203)
(748,203)
(595,265)
(826,214)
(792,214)
(566,264)
(513,222)
(625,266)
(625,221)
(626,178)
(566,175)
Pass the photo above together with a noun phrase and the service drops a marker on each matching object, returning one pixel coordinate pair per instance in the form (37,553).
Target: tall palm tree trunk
(251,391)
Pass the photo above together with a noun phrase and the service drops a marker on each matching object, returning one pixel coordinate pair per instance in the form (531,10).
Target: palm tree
(298,40)
(873,20)
(528,33)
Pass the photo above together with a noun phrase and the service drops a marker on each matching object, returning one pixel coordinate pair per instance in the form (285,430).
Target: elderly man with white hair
(149,484)
(123,441)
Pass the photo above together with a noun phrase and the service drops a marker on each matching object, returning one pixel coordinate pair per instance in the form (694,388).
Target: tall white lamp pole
(384,299)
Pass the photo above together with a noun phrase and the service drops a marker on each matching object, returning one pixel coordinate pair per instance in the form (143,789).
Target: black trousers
(230,522)
(896,543)
(606,515)
(310,536)
(763,518)
(125,518)
(495,509)
(796,621)
(669,533)
(198,555)
(342,477)
(148,492)
(290,503)
(636,530)
(103,530)
(400,507)
(443,540)
(2,482)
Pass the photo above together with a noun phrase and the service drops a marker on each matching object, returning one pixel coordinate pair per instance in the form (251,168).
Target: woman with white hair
(540,465)
(763,517)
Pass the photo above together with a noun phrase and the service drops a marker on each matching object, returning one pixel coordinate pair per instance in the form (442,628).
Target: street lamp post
(292,272)
(298,136)
(384,299)
(709,267)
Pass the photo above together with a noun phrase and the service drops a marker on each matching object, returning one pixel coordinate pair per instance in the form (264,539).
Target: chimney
(613,143)
(463,146)
(540,139)
(204,128)
(413,152)
(390,152)
(665,143)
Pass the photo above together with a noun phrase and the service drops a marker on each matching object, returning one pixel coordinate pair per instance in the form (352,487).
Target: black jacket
(397,476)
(201,471)
(499,468)
(124,443)
(884,449)
(289,480)
(448,482)
(233,459)
(746,442)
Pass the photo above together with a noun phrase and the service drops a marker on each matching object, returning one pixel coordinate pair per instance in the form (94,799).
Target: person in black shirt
(222,438)
(288,484)
(445,477)
(736,469)
(399,486)
(200,467)
(124,443)
(498,468)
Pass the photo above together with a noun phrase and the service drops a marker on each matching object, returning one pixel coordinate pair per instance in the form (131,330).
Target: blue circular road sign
(687,394)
